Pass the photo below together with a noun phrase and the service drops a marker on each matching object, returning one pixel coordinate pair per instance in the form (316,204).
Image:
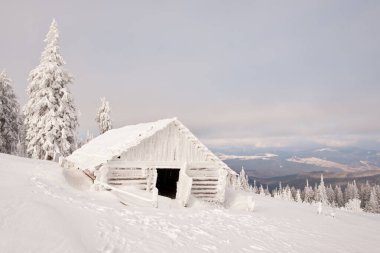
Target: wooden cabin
(162,155)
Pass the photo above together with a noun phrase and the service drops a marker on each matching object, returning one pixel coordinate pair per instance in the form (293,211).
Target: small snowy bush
(353,205)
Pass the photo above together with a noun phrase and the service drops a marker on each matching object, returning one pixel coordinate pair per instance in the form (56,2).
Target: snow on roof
(116,141)
(113,142)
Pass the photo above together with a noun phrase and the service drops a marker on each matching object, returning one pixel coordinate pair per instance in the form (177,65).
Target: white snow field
(46,209)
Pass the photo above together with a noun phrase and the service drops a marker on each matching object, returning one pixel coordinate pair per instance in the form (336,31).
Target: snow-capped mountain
(295,166)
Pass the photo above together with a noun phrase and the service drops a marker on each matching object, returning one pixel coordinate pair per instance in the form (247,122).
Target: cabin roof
(114,142)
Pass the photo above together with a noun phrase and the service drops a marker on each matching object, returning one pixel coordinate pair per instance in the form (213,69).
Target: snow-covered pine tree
(377,190)
(255,189)
(287,194)
(261,190)
(236,183)
(266,191)
(317,197)
(365,193)
(372,205)
(355,190)
(274,193)
(321,192)
(352,197)
(339,196)
(330,195)
(351,191)
(243,180)
(50,115)
(348,193)
(293,192)
(308,193)
(298,196)
(9,112)
(103,117)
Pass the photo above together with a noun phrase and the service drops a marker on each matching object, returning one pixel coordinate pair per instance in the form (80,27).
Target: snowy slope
(41,212)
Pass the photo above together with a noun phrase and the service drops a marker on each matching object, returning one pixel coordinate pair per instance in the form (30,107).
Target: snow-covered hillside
(45,209)
(265,156)
(320,162)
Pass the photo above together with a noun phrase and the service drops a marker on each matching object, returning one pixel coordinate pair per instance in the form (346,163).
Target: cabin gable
(170,144)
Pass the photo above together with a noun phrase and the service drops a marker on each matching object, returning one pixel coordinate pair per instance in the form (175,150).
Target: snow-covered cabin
(162,155)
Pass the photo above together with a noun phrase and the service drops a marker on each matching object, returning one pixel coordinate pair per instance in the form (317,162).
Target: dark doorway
(167,182)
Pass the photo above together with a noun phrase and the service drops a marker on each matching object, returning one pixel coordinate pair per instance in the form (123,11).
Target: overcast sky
(251,73)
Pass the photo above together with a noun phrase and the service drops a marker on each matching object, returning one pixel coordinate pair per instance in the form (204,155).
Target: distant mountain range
(292,167)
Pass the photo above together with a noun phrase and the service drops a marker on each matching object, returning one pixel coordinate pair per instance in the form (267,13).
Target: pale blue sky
(260,73)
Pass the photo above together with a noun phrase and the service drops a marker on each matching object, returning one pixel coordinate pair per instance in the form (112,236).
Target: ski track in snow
(40,212)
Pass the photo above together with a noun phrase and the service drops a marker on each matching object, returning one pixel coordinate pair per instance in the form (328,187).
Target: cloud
(241,72)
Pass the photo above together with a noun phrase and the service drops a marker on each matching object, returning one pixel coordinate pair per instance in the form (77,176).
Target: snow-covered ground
(46,209)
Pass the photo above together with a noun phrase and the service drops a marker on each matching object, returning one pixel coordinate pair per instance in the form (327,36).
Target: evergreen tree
(365,193)
(298,196)
(261,190)
(372,205)
(255,189)
(266,191)
(293,192)
(278,194)
(351,191)
(321,192)
(9,120)
(317,197)
(308,193)
(275,193)
(103,116)
(236,183)
(330,195)
(352,197)
(339,196)
(348,194)
(287,194)
(355,190)
(243,180)
(50,116)
(377,190)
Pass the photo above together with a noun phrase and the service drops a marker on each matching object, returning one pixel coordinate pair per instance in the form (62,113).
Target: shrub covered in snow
(353,205)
